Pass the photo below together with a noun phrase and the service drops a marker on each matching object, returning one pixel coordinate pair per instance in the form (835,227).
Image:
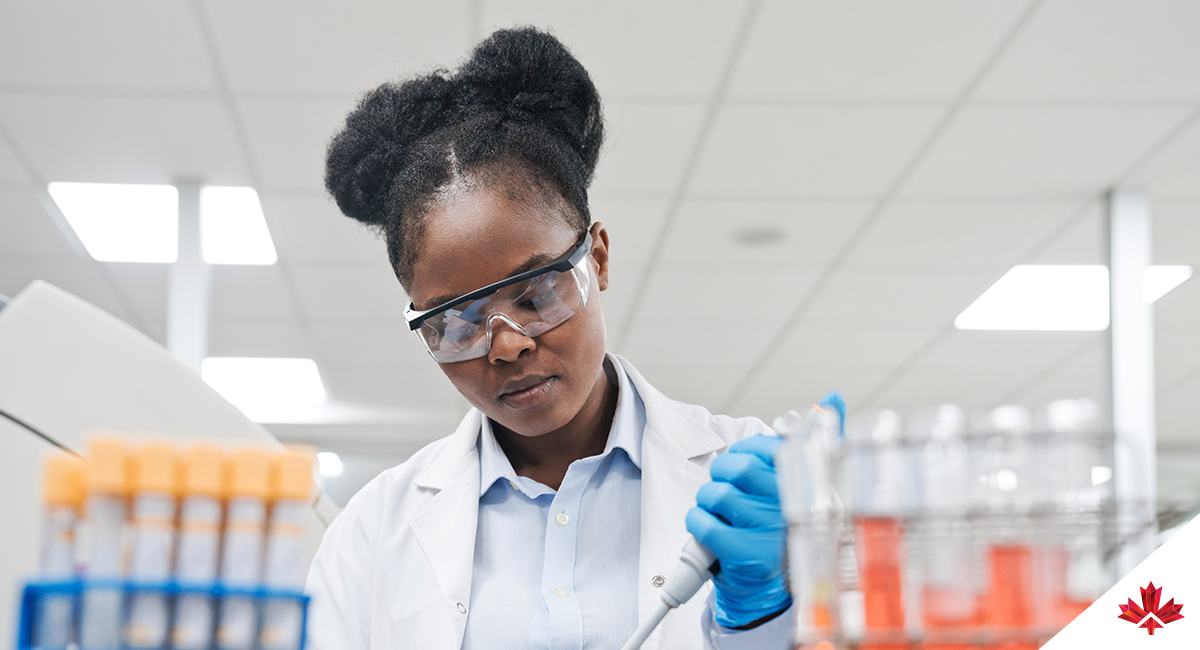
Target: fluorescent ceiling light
(1158,281)
(329,463)
(122,223)
(1036,297)
(265,388)
(1058,297)
(233,229)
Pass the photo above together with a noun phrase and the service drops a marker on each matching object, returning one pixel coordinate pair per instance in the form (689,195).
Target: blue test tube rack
(35,593)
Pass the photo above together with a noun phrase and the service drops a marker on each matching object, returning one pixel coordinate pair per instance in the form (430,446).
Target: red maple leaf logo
(1150,615)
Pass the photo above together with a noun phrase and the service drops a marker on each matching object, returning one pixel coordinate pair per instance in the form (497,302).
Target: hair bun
(529,76)
(363,159)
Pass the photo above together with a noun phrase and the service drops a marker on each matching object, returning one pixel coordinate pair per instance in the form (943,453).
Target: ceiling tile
(811,361)
(1080,241)
(1174,171)
(308,229)
(336,295)
(1102,49)
(1081,373)
(393,346)
(871,49)
(420,387)
(705,235)
(257,295)
(976,370)
(125,139)
(957,235)
(341,48)
(895,299)
(12,171)
(27,233)
(1178,414)
(1007,151)
(797,151)
(83,44)
(250,339)
(1176,344)
(1176,233)
(674,48)
(632,226)
(754,301)
(144,287)
(645,148)
(288,137)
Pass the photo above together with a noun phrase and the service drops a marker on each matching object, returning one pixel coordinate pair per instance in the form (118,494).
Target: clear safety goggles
(532,303)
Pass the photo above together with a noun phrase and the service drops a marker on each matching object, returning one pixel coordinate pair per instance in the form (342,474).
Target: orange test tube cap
(156,468)
(201,471)
(62,480)
(292,473)
(249,473)
(107,465)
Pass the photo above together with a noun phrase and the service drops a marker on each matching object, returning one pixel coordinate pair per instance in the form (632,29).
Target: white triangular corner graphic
(1176,568)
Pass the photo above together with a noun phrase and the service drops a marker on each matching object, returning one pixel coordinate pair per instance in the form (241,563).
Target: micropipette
(696,566)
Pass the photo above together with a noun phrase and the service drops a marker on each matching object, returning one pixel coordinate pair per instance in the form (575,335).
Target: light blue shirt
(559,569)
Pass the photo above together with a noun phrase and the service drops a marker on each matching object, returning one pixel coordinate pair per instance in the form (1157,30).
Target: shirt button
(462,609)
(560,592)
(562,519)
(658,581)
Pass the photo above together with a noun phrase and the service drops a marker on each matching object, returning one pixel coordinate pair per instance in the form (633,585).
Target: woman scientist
(550,516)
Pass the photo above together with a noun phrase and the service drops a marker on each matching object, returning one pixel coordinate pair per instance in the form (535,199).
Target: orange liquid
(878,550)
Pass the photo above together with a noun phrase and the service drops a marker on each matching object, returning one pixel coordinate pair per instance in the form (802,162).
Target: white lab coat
(394,569)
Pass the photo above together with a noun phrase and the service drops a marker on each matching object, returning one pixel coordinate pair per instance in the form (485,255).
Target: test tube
(199,545)
(808,502)
(949,564)
(291,489)
(153,531)
(1008,488)
(880,491)
(107,477)
(242,548)
(62,495)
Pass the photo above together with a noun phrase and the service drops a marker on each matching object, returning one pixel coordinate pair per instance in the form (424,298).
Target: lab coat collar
(664,418)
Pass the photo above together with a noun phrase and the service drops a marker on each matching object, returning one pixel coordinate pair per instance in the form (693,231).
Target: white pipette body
(696,566)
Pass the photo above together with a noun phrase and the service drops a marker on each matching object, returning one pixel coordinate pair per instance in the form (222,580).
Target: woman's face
(531,386)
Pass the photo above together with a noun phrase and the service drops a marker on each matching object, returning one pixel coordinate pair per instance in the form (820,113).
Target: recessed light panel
(329,463)
(1158,281)
(122,223)
(1058,298)
(264,387)
(1040,297)
(233,229)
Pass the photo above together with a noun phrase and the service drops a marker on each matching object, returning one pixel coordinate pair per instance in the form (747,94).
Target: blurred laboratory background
(802,196)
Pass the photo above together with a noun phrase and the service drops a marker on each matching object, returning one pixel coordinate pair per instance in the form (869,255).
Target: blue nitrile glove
(740,521)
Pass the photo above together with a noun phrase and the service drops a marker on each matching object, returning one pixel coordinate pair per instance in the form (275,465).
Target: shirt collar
(628,424)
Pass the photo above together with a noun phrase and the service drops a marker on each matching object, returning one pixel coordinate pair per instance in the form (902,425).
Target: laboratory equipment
(242,546)
(696,566)
(62,495)
(68,368)
(199,545)
(107,489)
(152,526)
(813,515)
(291,488)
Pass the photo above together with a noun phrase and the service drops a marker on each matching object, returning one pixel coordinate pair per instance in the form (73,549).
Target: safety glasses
(532,303)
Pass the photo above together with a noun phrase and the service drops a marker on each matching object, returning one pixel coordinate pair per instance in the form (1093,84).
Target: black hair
(521,113)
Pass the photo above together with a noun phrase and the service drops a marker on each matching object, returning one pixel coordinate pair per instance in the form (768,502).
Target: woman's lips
(530,396)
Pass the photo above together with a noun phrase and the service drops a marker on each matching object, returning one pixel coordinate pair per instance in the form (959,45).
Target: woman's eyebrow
(529,265)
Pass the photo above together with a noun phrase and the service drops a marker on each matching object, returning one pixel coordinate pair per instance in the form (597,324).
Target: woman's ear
(600,253)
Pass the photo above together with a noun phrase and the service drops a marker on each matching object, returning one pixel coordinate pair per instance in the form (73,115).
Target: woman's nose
(509,340)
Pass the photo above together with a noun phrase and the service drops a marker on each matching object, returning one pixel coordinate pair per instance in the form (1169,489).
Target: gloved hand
(738,518)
